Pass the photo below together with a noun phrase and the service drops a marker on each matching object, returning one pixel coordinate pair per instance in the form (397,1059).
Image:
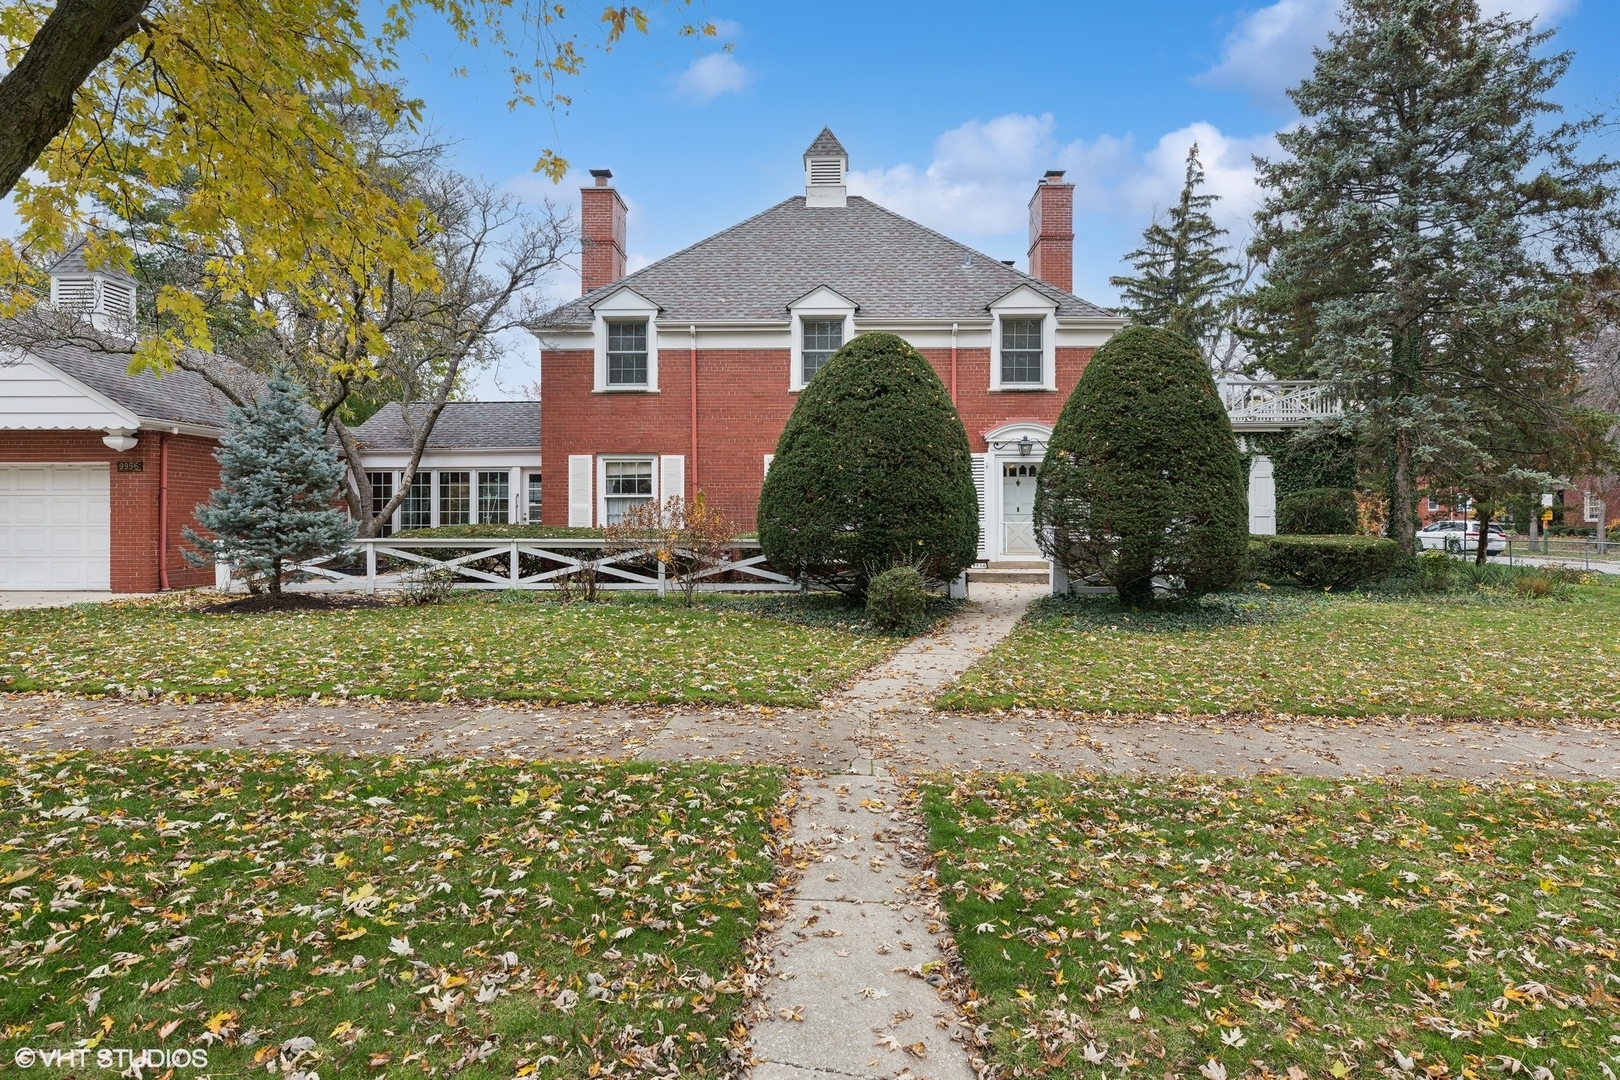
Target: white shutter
(671,477)
(579,490)
(768,459)
(980,463)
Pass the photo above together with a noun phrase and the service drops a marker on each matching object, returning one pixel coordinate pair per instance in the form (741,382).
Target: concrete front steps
(1011,572)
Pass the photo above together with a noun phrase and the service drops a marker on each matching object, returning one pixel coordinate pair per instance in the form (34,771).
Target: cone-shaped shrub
(872,470)
(1141,477)
(280,485)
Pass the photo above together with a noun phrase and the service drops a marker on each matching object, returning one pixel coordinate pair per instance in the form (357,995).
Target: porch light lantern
(1026,446)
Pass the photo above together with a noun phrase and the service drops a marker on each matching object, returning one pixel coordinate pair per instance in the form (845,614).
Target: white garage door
(54,527)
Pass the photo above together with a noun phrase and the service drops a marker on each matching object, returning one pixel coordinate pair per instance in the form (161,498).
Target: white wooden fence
(377,563)
(1277,404)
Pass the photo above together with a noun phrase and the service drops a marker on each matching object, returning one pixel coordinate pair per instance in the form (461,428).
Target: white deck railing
(542,563)
(1277,404)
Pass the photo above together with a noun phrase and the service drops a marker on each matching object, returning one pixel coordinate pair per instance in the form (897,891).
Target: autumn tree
(1183,281)
(111,102)
(1429,233)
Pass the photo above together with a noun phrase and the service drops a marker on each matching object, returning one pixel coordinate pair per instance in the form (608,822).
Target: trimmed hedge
(872,470)
(1322,511)
(1323,562)
(1142,477)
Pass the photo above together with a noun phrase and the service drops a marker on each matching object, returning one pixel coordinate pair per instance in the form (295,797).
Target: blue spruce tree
(276,505)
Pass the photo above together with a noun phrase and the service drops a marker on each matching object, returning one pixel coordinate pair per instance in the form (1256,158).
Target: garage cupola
(825,164)
(105,294)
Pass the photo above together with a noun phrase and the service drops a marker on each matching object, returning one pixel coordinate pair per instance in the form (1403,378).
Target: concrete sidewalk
(16,599)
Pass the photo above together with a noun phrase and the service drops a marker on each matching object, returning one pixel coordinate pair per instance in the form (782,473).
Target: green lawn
(1186,928)
(1307,653)
(373,917)
(631,649)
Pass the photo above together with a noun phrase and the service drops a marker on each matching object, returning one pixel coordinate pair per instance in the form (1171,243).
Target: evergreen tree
(873,470)
(1429,235)
(1183,281)
(277,505)
(1141,477)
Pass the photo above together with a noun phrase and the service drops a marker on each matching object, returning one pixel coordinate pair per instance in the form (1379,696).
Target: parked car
(1461,536)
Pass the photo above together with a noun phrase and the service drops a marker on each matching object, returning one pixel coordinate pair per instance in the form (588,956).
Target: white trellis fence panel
(541,563)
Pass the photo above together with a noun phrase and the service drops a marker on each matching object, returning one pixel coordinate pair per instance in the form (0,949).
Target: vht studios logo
(109,1058)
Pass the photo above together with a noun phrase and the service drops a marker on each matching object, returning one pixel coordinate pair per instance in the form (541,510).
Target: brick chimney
(1051,231)
(602,233)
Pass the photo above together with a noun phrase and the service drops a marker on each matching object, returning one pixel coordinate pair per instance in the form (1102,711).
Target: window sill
(625,390)
(1023,388)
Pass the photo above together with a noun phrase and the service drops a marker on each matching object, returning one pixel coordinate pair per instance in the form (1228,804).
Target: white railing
(542,563)
(1276,404)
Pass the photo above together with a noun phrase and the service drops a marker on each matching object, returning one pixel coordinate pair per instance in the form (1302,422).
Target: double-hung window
(382,489)
(455,498)
(627,353)
(494,497)
(534,498)
(1021,352)
(822,338)
(626,485)
(1591,510)
(416,511)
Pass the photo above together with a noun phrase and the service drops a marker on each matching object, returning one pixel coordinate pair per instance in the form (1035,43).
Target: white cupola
(105,294)
(825,164)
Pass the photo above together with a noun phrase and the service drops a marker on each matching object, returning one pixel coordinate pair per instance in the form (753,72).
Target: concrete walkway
(861,983)
(13,599)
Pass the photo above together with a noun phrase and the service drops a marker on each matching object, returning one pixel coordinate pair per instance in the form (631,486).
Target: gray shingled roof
(890,266)
(826,144)
(72,262)
(177,396)
(464,425)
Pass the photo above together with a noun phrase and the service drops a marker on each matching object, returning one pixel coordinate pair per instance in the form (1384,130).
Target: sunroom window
(382,490)
(494,497)
(627,353)
(455,498)
(627,484)
(416,510)
(1021,352)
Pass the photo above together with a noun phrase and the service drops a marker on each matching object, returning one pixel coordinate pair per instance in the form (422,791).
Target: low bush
(1322,511)
(1434,571)
(427,585)
(1323,562)
(897,599)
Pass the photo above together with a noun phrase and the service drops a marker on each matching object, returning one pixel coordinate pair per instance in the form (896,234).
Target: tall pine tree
(1183,279)
(1429,233)
(277,504)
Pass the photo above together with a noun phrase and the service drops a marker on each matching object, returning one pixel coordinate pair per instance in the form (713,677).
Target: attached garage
(56,527)
(101,470)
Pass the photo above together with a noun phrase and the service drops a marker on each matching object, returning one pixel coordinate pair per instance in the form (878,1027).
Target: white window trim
(601,480)
(822,303)
(1589,511)
(626,305)
(1025,303)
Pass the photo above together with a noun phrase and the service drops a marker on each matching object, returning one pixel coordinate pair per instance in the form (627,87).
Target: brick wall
(743,404)
(193,473)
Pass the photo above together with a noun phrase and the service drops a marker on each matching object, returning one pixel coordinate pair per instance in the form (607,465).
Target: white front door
(54,527)
(1018,508)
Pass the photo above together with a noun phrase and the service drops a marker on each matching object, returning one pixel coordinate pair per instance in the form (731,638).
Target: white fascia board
(37,396)
(823,298)
(1023,298)
(522,457)
(204,431)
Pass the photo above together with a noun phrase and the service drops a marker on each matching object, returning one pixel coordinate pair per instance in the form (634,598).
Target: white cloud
(1269,50)
(982,174)
(710,76)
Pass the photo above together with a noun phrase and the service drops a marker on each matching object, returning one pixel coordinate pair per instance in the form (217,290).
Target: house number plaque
(132,466)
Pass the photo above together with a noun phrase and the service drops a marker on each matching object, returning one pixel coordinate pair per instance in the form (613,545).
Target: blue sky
(950,111)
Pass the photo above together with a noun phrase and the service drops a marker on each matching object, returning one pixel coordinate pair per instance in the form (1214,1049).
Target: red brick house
(679,377)
(100,470)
